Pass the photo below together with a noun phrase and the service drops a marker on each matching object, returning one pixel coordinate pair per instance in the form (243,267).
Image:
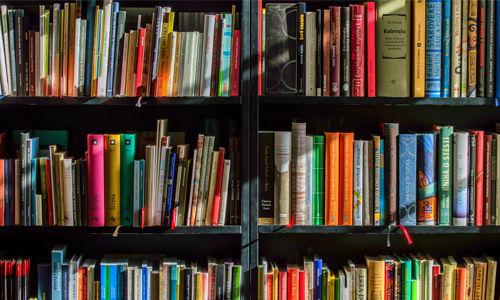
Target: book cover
(105,38)
(131,64)
(445,147)
(376,180)
(282,144)
(471,188)
(58,257)
(433,42)
(357,50)
(310,54)
(383,210)
(358,183)
(489,53)
(298,162)
(266,178)
(472,48)
(456,48)
(393,30)
(169,187)
(460,160)
(480,271)
(346,179)
(335,38)
(326,45)
(426,180)
(446,49)
(127,156)
(479,176)
(491,277)
(407,179)
(235,64)
(95,146)
(376,277)
(480,48)
(112,171)
(332,184)
(391,133)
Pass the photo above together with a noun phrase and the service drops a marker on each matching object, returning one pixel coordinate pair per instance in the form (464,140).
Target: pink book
(235,66)
(218,188)
(358,50)
(140,62)
(95,147)
(371,14)
(205,285)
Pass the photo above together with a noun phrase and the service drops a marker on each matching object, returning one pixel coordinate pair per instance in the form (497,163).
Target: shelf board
(293,100)
(273,229)
(120,101)
(123,230)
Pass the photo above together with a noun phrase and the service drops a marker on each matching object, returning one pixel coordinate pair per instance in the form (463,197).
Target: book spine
(426,189)
(358,183)
(446,50)
(309,179)
(95,144)
(489,57)
(70,71)
(494,172)
(335,12)
(471,188)
(371,16)
(346,186)
(207,55)
(345,58)
(497,49)
(226,56)
(215,52)
(472,48)
(433,48)
(391,132)
(479,178)
(104,59)
(383,210)
(282,144)
(301,54)
(120,52)
(319,52)
(127,155)
(155,44)
(6,40)
(368,184)
(112,49)
(3,69)
(487,180)
(445,169)
(224,193)
(460,179)
(318,180)
(298,160)
(235,66)
(310,54)
(376,181)
(13,52)
(332,186)
(326,52)
(407,177)
(456,48)
(140,63)
(20,51)
(218,189)
(480,49)
(2,195)
(89,47)
(357,50)
(266,178)
(32,63)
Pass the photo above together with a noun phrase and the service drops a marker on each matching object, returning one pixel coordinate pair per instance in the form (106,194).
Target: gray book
(206,186)
(204,174)
(197,73)
(180,74)
(120,43)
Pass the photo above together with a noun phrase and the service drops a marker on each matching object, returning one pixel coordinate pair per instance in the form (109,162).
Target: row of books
(389,48)
(383,277)
(136,276)
(440,177)
(112,187)
(15,274)
(113,52)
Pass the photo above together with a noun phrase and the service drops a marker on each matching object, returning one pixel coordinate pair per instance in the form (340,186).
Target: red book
(293,281)
(479,175)
(235,66)
(435,282)
(259,45)
(371,15)
(95,209)
(326,52)
(3,145)
(2,194)
(335,12)
(283,284)
(302,284)
(389,281)
(85,296)
(49,193)
(269,286)
(140,62)
(487,179)
(218,187)
(358,50)
(215,51)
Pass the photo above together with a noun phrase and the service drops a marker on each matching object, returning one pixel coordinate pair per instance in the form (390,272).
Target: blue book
(382,185)
(497,58)
(446,54)
(144,280)
(113,280)
(44,280)
(226,56)
(112,45)
(318,277)
(173,282)
(427,180)
(141,190)
(170,189)
(407,179)
(104,278)
(6,194)
(433,48)
(460,178)
(65,279)
(33,191)
(90,44)
(58,256)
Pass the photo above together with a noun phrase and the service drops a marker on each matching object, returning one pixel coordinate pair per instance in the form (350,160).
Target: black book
(120,33)
(266,177)
(472,180)
(345,53)
(237,180)
(494,147)
(301,50)
(489,57)
(73,187)
(83,191)
(319,52)
(232,198)
(7,192)
(219,281)
(187,283)
(20,52)
(281,54)
(26,55)
(391,133)
(228,279)
(480,47)
(155,44)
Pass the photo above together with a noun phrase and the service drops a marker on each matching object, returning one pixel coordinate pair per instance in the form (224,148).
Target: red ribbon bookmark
(406,234)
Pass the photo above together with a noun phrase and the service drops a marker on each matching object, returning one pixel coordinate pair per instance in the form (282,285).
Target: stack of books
(15,276)
(388,48)
(120,182)
(415,277)
(133,52)
(136,276)
(440,177)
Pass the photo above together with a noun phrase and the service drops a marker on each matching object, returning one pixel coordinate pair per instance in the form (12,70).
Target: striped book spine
(472,49)
(433,48)
(318,180)
(465,19)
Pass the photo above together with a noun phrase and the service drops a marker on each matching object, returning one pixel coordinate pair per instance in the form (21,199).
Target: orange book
(332,200)
(346,159)
(80,284)
(293,281)
(269,287)
(462,282)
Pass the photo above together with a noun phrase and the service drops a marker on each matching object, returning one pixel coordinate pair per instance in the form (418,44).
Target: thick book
(95,148)
(266,178)
(489,53)
(472,48)
(346,179)
(105,38)
(480,72)
(282,149)
(318,180)
(456,48)
(358,183)
(460,188)
(358,84)
(207,56)
(335,15)
(391,133)
(325,46)
(345,53)
(427,179)
(490,277)
(480,271)
(376,271)
(332,177)
(446,49)
(58,257)
(281,74)
(301,44)
(433,43)
(407,179)
(310,54)
(393,54)
(112,165)
(169,189)
(298,162)
(127,156)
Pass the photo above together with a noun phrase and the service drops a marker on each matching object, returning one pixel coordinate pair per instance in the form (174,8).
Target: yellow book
(331,286)
(453,263)
(418,49)
(162,67)
(491,277)
(166,69)
(93,87)
(46,50)
(129,88)
(376,276)
(260,285)
(60,185)
(71,49)
(211,192)
(176,66)
(112,179)
(171,16)
(276,272)
(199,286)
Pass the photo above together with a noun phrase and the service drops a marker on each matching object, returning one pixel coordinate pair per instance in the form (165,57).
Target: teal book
(445,151)
(382,185)
(142,189)
(446,51)
(226,56)
(173,282)
(318,180)
(58,256)
(405,277)
(127,157)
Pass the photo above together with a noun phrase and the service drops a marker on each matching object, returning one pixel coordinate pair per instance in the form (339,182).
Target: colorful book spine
(391,133)
(433,48)
(465,51)
(58,256)
(407,179)
(301,45)
(318,278)
(489,56)
(497,50)
(346,185)
(299,164)
(456,47)
(112,47)
(358,50)
(226,57)
(335,37)
(472,49)
(105,38)
(382,184)
(95,146)
(326,52)
(371,16)
(318,180)
(332,185)
(358,183)
(319,53)
(446,53)
(309,178)
(236,65)
(406,279)
(480,71)
(426,181)
(127,156)
(460,160)
(376,180)
(111,172)
(472,183)
(479,177)
(170,189)
(445,169)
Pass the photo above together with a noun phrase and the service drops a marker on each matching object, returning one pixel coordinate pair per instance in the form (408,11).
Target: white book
(193,60)
(5,36)
(38,215)
(358,183)
(12,47)
(171,64)
(224,192)
(137,281)
(64,87)
(81,67)
(309,179)
(163,169)
(206,59)
(42,47)
(55,46)
(3,70)
(460,178)
(151,186)
(73,287)
(103,68)
(310,54)
(347,286)
(76,69)
(130,281)
(182,55)
(199,56)
(67,177)
(124,64)
(282,186)
(38,83)
(193,171)
(186,81)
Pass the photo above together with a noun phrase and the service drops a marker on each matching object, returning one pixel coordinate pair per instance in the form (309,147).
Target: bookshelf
(136,101)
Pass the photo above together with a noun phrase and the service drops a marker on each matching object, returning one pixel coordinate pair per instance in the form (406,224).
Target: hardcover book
(282,146)
(456,48)
(301,64)
(357,50)
(480,48)
(298,161)
(377,188)
(371,17)
(460,160)
(426,181)
(472,48)
(111,173)
(326,45)
(489,54)
(471,188)
(335,13)
(266,177)
(318,180)
(346,184)
(391,133)
(310,54)
(95,146)
(332,184)
(358,183)
(433,43)
(368,182)
(446,55)
(345,53)
(407,178)
(127,156)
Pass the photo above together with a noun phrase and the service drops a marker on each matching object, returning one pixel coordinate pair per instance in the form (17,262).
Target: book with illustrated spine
(407,179)
(433,41)
(358,183)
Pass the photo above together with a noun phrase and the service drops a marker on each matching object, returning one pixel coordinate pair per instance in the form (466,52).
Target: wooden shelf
(278,229)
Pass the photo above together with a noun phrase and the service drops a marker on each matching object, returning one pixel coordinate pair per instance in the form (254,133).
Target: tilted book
(407,179)
(282,145)
(433,42)
(427,180)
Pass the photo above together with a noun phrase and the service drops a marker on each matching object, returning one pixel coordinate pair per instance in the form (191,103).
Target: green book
(127,156)
(445,174)
(414,289)
(142,179)
(236,281)
(337,286)
(405,277)
(324,294)
(318,180)
(417,272)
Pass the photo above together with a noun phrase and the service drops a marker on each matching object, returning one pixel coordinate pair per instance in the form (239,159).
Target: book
(382,184)
(319,52)
(426,181)
(57,258)
(456,48)
(269,204)
(489,53)
(335,37)
(480,72)
(479,176)
(376,275)
(208,42)
(332,183)
(309,179)
(112,169)
(104,59)
(127,157)
(368,183)
(346,179)
(169,185)
(357,50)
(345,54)
(318,180)
(301,54)
(95,148)
(266,177)
(216,211)
(358,199)
(391,133)
(326,82)
(224,193)
(371,17)
(480,271)
(487,180)
(407,179)
(446,48)
(433,44)
(282,145)
(460,178)
(310,54)
(299,164)
(472,48)
(471,189)
(490,277)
